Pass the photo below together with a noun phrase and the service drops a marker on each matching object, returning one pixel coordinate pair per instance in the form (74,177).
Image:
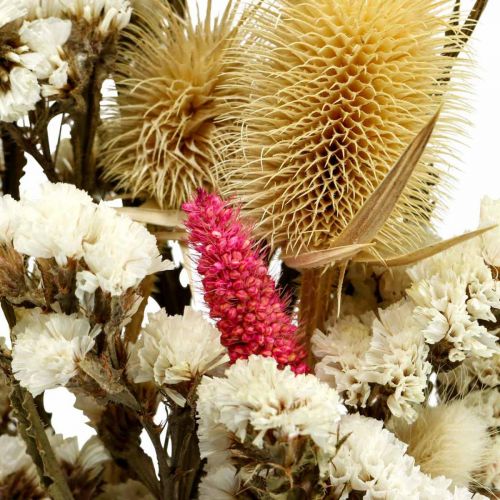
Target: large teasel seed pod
(337,92)
(164,135)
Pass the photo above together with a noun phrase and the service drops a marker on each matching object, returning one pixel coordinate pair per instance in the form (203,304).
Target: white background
(479,176)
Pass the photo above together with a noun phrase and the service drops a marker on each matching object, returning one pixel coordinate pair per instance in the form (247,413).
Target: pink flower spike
(241,295)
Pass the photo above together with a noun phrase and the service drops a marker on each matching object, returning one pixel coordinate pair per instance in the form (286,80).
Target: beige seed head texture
(338,89)
(165,136)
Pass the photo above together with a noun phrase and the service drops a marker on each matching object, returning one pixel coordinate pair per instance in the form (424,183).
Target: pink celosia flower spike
(241,295)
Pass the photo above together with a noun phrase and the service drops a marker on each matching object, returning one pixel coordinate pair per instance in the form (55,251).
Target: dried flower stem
(314,299)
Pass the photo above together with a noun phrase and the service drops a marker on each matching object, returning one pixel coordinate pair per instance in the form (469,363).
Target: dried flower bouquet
(312,138)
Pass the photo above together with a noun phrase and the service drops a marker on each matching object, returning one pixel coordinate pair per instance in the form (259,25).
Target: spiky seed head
(165,137)
(337,91)
(449,440)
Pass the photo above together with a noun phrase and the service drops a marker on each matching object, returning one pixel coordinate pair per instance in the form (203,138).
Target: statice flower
(256,398)
(9,217)
(119,252)
(55,222)
(456,292)
(48,347)
(239,291)
(175,349)
(372,462)
(45,39)
(221,483)
(109,15)
(397,359)
(342,356)
(18,478)
(86,461)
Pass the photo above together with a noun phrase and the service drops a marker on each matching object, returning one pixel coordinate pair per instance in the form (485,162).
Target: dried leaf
(324,257)
(155,216)
(378,207)
(110,381)
(425,252)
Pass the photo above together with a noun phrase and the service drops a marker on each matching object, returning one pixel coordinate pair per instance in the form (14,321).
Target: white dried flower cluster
(256,397)
(61,222)
(221,483)
(389,351)
(174,349)
(397,359)
(373,462)
(30,59)
(454,291)
(47,349)
(108,15)
(341,353)
(13,458)
(89,459)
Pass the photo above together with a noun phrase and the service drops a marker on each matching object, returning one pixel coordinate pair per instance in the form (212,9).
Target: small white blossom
(13,457)
(55,222)
(257,397)
(47,349)
(220,483)
(45,38)
(490,215)
(173,349)
(23,92)
(10,10)
(89,459)
(9,218)
(454,291)
(341,353)
(397,359)
(108,15)
(373,462)
(120,252)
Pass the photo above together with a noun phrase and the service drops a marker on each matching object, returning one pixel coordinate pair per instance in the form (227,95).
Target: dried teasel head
(337,91)
(172,78)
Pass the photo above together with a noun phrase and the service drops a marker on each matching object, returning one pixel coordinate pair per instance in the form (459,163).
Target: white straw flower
(397,359)
(47,349)
(373,462)
(120,252)
(54,223)
(173,349)
(256,397)
(341,357)
(454,292)
(490,215)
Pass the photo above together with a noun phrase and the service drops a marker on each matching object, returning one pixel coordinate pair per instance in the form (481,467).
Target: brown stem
(186,462)
(83,133)
(314,303)
(13,164)
(161,456)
